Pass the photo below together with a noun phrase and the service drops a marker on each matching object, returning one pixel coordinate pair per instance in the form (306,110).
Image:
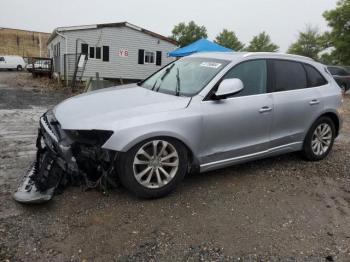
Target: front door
(238,127)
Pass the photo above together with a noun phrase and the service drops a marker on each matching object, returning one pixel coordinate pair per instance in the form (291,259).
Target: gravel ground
(281,208)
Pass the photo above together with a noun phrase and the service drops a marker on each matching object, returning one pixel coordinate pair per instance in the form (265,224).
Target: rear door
(297,101)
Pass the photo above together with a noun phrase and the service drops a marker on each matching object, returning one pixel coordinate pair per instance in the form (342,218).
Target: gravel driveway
(281,208)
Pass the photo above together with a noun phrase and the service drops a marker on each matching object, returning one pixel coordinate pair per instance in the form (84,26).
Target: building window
(85,49)
(92,52)
(149,57)
(105,57)
(98,52)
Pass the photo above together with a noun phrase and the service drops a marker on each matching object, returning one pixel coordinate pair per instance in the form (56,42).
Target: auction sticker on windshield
(211,65)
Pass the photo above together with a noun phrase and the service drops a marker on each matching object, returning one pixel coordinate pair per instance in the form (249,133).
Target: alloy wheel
(321,139)
(155,164)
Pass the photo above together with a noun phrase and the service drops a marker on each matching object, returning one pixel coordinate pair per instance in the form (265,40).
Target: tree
(310,43)
(186,34)
(262,43)
(229,39)
(339,21)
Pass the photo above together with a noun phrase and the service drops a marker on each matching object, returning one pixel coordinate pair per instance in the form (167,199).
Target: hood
(103,108)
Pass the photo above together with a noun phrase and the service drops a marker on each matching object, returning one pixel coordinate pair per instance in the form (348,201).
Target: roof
(234,56)
(202,45)
(121,24)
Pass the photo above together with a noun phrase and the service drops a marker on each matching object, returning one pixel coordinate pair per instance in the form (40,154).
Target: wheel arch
(333,116)
(193,160)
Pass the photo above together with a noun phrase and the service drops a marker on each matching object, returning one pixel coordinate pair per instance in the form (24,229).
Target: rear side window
(2,59)
(253,74)
(314,77)
(288,75)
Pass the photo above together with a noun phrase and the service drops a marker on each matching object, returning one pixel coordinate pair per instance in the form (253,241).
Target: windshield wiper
(178,82)
(167,71)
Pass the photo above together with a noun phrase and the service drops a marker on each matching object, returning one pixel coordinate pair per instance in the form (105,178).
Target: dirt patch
(281,208)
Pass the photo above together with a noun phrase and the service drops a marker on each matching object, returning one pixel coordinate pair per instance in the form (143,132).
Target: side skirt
(296,146)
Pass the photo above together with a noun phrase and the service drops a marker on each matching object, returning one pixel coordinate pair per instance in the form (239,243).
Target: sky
(282,19)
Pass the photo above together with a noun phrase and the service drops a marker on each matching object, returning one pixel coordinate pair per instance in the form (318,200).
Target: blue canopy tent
(202,45)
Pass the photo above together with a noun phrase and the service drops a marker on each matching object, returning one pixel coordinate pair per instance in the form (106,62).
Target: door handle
(265,109)
(314,102)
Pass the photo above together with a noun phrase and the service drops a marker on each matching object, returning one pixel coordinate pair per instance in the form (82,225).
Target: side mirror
(229,87)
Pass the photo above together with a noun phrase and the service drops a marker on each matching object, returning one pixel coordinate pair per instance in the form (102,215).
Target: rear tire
(154,167)
(319,139)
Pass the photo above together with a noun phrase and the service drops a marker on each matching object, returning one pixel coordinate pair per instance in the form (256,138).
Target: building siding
(116,38)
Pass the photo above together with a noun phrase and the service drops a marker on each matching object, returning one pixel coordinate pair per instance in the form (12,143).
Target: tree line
(331,47)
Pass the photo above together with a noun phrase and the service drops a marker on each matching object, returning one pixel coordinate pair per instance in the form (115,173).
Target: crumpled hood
(107,108)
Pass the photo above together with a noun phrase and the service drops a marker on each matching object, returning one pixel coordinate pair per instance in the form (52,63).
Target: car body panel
(235,126)
(104,109)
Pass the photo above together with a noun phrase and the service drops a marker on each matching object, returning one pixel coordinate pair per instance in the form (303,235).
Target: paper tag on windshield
(211,64)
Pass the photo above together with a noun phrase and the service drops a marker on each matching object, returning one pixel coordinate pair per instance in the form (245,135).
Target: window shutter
(159,58)
(105,53)
(84,49)
(141,56)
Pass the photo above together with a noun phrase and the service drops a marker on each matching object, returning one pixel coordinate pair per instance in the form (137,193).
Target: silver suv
(202,112)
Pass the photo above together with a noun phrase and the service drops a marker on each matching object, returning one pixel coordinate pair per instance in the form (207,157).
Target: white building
(115,51)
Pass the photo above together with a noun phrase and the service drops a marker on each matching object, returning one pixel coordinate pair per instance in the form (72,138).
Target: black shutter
(159,58)
(105,53)
(141,56)
(84,49)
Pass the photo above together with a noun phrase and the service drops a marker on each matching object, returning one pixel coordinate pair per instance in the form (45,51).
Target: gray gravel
(277,209)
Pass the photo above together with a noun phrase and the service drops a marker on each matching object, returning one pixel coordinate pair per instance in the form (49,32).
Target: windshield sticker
(211,65)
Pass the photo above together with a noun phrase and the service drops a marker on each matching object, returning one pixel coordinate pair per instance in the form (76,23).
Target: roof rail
(279,55)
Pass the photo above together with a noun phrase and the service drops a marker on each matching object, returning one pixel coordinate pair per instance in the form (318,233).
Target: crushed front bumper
(62,160)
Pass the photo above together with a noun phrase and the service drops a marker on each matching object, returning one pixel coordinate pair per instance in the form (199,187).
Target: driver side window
(253,74)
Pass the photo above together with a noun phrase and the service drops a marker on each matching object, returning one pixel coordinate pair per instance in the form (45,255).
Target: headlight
(90,137)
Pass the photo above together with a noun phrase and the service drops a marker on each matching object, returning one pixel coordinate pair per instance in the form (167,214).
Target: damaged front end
(66,157)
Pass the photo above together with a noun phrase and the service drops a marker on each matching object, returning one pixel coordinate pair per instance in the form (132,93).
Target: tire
(131,164)
(311,150)
(19,68)
(343,88)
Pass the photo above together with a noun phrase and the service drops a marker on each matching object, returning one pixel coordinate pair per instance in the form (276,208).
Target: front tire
(19,68)
(319,140)
(154,167)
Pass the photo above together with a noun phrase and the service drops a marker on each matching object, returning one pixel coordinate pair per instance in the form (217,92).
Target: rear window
(288,75)
(314,77)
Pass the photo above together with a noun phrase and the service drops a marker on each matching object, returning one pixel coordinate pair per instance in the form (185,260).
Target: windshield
(185,77)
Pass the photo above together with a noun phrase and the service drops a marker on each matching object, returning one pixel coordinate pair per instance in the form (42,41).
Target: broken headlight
(89,137)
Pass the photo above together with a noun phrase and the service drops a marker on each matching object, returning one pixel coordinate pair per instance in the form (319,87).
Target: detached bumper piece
(63,159)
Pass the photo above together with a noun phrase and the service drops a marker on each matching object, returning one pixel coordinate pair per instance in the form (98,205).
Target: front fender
(179,125)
